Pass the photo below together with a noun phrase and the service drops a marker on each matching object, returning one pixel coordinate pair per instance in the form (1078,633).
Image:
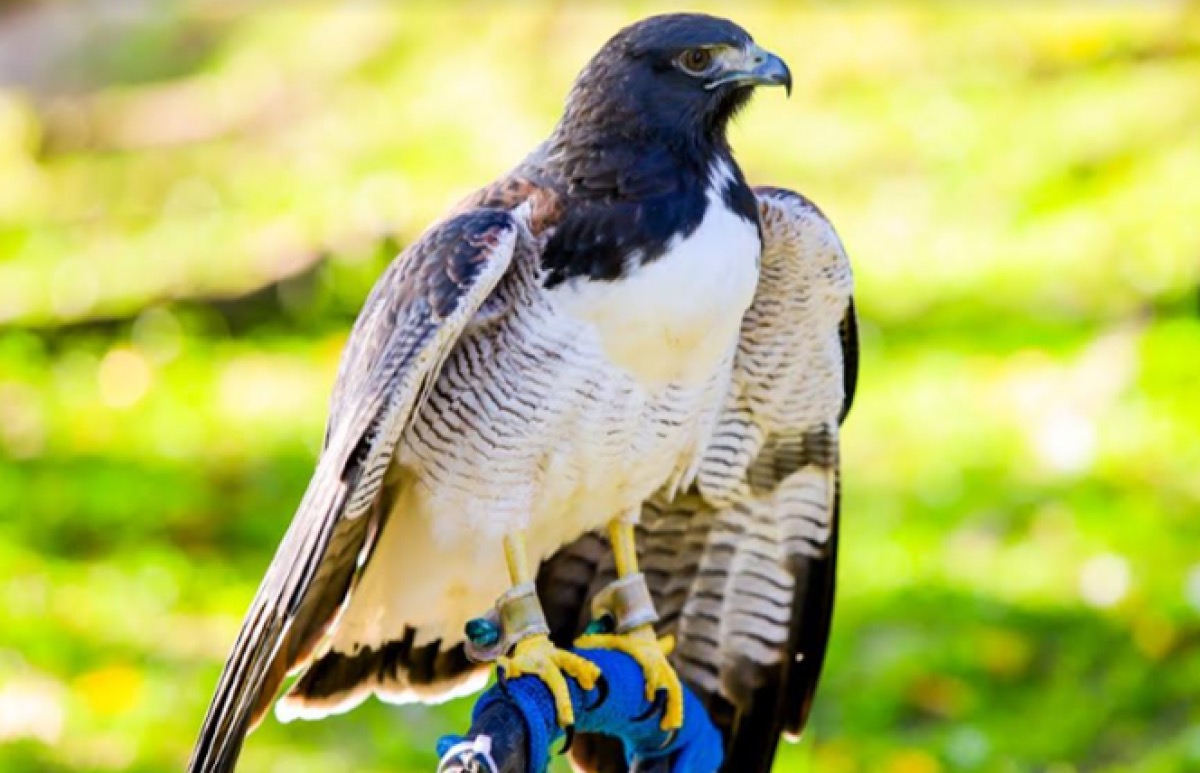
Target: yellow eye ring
(696,61)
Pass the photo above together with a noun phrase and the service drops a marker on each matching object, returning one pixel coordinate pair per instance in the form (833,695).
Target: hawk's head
(681,74)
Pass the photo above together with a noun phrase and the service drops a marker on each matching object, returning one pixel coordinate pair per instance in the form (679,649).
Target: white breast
(675,318)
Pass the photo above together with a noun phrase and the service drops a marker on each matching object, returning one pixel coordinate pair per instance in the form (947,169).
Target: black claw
(602,692)
(569,731)
(660,701)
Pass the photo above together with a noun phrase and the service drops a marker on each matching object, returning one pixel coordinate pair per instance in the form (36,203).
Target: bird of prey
(620,329)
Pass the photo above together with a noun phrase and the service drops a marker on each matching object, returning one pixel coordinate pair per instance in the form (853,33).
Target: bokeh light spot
(157,332)
(32,708)
(110,690)
(124,377)
(1066,442)
(1104,580)
(967,747)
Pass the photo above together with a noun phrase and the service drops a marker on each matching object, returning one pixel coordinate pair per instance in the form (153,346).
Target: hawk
(619,330)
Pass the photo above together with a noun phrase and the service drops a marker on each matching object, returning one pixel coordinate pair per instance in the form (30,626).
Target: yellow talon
(537,656)
(650,653)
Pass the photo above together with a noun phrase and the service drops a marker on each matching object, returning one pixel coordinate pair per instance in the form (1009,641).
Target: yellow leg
(514,555)
(641,643)
(622,537)
(537,655)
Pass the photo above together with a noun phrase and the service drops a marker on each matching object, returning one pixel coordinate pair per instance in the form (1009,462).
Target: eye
(696,61)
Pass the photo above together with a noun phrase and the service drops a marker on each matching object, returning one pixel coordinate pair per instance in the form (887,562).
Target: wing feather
(410,321)
(848,333)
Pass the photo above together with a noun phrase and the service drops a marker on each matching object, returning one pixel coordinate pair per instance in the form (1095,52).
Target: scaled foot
(650,653)
(537,656)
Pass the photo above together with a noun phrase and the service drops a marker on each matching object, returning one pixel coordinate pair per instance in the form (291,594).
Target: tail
(306,585)
(252,672)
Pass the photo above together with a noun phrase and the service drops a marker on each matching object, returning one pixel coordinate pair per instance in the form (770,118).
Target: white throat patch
(676,318)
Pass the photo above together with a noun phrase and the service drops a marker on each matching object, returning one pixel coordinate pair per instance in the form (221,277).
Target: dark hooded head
(641,144)
(682,76)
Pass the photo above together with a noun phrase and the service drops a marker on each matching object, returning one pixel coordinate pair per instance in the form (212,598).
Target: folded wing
(411,320)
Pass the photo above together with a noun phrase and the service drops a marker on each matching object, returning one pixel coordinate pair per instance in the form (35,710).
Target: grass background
(195,198)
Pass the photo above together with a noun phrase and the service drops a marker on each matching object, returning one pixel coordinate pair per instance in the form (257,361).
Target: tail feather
(396,672)
(261,655)
(236,707)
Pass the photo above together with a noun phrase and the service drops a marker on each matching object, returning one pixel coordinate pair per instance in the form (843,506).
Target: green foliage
(193,204)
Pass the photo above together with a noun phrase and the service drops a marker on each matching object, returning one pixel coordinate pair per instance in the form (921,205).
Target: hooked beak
(755,67)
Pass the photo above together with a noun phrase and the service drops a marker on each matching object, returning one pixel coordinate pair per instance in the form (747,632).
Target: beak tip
(776,72)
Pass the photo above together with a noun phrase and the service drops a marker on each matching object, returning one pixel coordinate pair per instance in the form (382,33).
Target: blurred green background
(195,198)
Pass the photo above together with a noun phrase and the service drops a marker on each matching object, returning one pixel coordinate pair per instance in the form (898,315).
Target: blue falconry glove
(514,725)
